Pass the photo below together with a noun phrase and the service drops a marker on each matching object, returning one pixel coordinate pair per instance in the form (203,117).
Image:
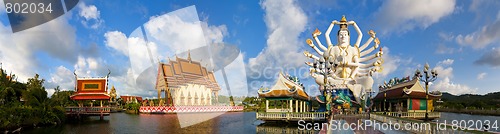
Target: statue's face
(343,38)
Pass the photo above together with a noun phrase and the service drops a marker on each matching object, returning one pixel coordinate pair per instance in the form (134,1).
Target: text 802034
(26,8)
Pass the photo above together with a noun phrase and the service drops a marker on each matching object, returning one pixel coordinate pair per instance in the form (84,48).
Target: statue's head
(343,36)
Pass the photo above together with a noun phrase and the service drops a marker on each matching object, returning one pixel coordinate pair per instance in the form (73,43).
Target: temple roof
(181,72)
(284,88)
(125,98)
(410,89)
(91,88)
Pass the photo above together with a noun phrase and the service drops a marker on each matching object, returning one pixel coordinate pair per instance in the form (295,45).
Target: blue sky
(460,38)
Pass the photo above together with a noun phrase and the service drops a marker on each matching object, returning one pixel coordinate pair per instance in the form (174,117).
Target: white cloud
(91,15)
(446,62)
(89,67)
(285,21)
(444,71)
(214,34)
(117,41)
(175,33)
(391,62)
(481,76)
(63,78)
(405,15)
(487,35)
(18,52)
(444,83)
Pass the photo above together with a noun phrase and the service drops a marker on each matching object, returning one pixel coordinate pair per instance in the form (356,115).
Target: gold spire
(343,20)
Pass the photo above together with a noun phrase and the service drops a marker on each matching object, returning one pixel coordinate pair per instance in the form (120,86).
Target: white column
(303,106)
(291,109)
(296,105)
(267,105)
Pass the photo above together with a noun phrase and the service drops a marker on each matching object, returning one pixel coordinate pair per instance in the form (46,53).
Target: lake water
(230,122)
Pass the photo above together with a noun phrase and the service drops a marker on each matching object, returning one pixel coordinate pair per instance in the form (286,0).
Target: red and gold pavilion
(93,89)
(406,98)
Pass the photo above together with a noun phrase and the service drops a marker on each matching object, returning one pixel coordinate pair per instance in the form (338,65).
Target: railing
(187,109)
(289,116)
(71,110)
(413,114)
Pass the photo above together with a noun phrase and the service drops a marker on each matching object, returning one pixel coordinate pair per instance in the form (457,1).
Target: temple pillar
(296,105)
(303,106)
(159,94)
(290,104)
(267,105)
(167,98)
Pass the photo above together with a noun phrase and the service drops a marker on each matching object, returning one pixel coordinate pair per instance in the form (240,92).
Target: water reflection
(230,122)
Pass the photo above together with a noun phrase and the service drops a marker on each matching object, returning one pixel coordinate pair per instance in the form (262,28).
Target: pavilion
(90,90)
(405,98)
(287,101)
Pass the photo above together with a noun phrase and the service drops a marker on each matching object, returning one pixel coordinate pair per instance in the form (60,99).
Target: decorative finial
(316,33)
(343,20)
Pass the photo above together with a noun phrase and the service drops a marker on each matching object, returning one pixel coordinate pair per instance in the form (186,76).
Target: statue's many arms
(351,65)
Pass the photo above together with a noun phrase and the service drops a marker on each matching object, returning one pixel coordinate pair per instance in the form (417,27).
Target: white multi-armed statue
(345,66)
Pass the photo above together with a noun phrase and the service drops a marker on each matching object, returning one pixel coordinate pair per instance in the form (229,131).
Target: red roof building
(405,96)
(91,89)
(129,99)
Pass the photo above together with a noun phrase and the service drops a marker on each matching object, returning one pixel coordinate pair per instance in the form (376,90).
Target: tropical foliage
(488,104)
(27,104)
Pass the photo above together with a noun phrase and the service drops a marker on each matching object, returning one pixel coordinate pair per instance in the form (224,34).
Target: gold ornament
(316,33)
(343,20)
(309,41)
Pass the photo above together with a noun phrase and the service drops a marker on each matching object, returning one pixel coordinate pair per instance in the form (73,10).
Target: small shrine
(288,101)
(87,91)
(93,89)
(405,98)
